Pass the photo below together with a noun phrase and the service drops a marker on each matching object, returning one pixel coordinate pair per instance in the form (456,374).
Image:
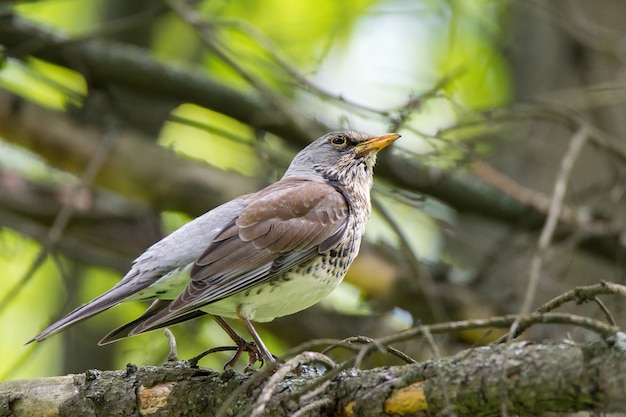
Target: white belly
(277,298)
(268,301)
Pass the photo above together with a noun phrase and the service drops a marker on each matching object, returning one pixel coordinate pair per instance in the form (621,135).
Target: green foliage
(224,144)
(469,48)
(73,16)
(44,83)
(41,293)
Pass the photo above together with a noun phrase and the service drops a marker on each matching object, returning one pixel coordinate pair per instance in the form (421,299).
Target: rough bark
(521,378)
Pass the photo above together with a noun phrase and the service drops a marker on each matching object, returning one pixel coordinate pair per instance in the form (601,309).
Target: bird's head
(343,156)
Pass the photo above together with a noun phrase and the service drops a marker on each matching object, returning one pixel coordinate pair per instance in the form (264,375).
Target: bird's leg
(261,349)
(242,345)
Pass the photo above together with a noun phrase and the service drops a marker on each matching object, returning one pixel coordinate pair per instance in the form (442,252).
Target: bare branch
(536,378)
(134,166)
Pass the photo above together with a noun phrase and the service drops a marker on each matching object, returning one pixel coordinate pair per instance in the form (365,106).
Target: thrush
(257,257)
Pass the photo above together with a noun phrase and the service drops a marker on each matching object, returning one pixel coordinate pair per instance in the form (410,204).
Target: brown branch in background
(193,187)
(471,194)
(524,195)
(66,211)
(136,70)
(302,82)
(105,228)
(134,166)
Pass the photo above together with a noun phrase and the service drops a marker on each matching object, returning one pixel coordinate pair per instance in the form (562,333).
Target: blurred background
(120,121)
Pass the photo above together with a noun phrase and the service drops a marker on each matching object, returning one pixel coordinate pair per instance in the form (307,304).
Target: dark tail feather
(158,305)
(107,300)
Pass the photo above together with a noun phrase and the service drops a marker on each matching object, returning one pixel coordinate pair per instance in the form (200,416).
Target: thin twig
(607,314)
(314,344)
(172,356)
(617,289)
(363,351)
(556,205)
(601,328)
(578,295)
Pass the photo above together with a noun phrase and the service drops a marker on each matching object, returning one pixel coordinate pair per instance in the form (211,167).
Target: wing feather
(284,225)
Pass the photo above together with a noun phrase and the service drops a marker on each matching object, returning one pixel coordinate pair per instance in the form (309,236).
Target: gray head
(343,156)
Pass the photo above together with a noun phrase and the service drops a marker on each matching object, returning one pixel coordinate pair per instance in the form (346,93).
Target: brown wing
(284,225)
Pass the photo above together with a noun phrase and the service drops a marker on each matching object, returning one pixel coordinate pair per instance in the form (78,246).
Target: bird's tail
(157,306)
(99,304)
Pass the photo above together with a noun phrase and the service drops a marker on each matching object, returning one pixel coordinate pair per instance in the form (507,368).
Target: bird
(262,255)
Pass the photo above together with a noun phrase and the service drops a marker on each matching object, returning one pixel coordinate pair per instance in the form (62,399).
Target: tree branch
(105,229)
(554,377)
(126,65)
(471,194)
(134,166)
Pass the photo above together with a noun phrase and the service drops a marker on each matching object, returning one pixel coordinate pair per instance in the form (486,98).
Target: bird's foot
(243,345)
(254,355)
(257,352)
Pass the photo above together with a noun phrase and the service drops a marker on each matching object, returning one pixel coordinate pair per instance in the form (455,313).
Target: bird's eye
(339,140)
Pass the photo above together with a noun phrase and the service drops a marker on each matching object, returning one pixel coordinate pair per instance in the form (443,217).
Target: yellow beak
(375,144)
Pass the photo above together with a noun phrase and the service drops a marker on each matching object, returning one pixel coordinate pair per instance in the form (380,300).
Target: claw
(242,346)
(254,355)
